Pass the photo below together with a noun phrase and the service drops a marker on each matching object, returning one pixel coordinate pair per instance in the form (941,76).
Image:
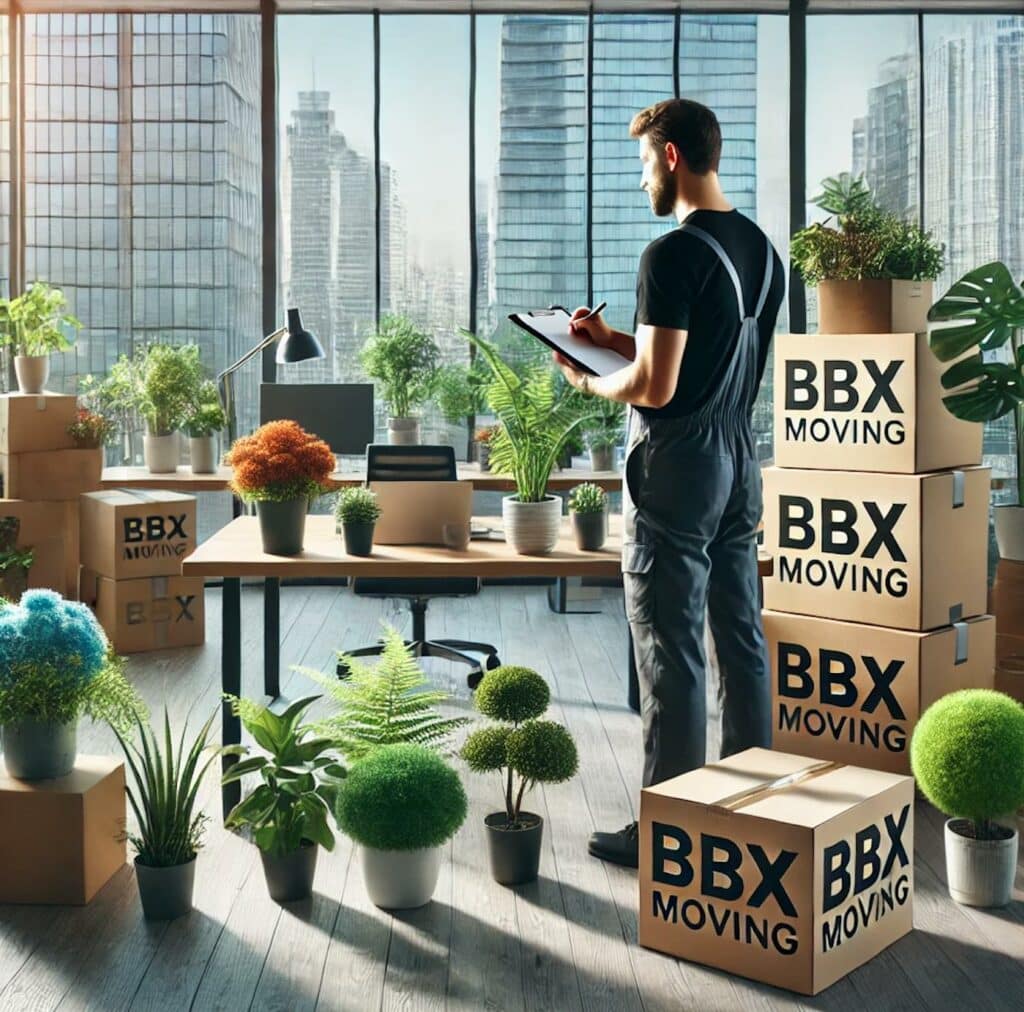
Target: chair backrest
(410,463)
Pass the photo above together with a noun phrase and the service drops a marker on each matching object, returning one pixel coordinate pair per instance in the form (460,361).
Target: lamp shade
(298,345)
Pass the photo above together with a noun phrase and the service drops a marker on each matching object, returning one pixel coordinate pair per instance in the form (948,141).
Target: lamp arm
(268,340)
(225,385)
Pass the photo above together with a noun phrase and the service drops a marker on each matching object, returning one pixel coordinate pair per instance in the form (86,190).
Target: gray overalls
(692,505)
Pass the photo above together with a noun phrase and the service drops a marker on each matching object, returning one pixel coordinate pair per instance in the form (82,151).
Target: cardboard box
(130,533)
(1009,677)
(50,530)
(776,867)
(147,614)
(50,474)
(1008,598)
(63,839)
(854,693)
(31,422)
(866,402)
(903,551)
(911,301)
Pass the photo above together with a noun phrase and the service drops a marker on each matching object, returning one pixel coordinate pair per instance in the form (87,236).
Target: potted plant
(160,382)
(484,435)
(401,804)
(525,751)
(588,507)
(204,420)
(604,432)
(855,265)
(404,361)
(169,831)
(388,704)
(357,512)
(35,324)
(55,667)
(985,310)
(967,754)
(91,430)
(280,467)
(535,424)
(15,562)
(288,810)
(461,394)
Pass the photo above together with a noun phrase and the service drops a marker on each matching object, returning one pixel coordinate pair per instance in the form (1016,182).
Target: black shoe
(622,847)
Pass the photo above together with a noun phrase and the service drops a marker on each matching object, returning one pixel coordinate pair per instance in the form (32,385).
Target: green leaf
(990,305)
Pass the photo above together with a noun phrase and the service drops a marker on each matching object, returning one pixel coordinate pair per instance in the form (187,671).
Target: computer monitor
(341,414)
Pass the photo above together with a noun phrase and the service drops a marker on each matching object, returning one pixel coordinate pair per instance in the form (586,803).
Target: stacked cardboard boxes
(133,542)
(42,475)
(876,514)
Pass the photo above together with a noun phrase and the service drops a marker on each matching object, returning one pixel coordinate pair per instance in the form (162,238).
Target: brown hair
(693,128)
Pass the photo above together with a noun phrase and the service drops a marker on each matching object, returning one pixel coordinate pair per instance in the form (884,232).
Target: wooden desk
(183,480)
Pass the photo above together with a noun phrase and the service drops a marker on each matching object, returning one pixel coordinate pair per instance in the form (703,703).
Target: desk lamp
(297,345)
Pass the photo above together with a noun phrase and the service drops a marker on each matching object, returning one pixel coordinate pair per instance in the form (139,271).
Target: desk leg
(272,637)
(231,681)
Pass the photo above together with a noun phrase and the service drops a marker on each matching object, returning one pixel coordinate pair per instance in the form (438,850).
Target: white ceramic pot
(1010,532)
(531,528)
(401,879)
(404,431)
(161,453)
(979,872)
(202,452)
(32,371)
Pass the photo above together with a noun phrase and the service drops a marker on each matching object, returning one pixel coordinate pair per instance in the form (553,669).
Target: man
(708,294)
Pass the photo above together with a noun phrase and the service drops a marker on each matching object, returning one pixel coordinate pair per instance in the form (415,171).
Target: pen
(597,309)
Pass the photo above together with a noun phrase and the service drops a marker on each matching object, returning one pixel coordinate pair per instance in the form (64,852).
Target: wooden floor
(566,942)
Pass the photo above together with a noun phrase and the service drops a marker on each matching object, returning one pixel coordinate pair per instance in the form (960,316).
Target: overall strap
(768,268)
(726,262)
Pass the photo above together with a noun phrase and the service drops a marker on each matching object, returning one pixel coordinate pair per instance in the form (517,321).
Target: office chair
(420,463)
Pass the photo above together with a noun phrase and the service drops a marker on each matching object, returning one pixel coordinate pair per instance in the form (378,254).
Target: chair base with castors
(448,650)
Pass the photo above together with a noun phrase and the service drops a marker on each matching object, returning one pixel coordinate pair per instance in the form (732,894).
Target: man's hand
(574,377)
(595,328)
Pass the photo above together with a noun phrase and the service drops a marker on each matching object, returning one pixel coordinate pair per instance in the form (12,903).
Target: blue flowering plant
(56,665)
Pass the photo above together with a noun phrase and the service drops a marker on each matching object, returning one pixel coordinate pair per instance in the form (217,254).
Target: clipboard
(551,326)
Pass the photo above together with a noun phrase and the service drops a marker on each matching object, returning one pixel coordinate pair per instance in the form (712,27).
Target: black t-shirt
(683,285)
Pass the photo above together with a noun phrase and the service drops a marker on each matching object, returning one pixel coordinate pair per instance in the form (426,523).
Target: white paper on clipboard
(552,327)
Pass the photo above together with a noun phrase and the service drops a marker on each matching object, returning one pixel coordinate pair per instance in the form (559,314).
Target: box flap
(779,786)
(135,496)
(88,772)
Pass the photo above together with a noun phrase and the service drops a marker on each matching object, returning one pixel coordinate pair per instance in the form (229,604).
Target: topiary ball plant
(401,797)
(967,754)
(512,694)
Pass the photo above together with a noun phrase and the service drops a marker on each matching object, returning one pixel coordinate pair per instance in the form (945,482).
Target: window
(5,157)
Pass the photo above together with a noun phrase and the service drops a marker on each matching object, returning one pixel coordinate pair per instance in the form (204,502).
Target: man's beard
(662,195)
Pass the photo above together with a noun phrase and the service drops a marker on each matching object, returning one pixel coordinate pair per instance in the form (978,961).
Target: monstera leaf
(990,389)
(990,307)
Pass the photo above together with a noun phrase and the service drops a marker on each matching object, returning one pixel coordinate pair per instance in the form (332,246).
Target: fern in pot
(288,811)
(536,421)
(404,361)
(163,795)
(205,419)
(401,804)
(985,343)
(356,511)
(604,432)
(36,324)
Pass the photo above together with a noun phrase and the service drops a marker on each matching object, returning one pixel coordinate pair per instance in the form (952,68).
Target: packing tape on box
(962,630)
(752,794)
(959,485)
(161,626)
(956,613)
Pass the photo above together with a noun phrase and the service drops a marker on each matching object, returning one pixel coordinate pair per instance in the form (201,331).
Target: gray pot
(32,371)
(401,879)
(283,525)
(483,455)
(531,528)
(979,872)
(602,458)
(161,453)
(403,431)
(202,453)
(166,893)
(514,853)
(291,877)
(590,530)
(1009,525)
(358,538)
(40,750)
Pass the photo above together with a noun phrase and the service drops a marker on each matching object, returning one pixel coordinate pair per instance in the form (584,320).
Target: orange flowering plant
(278,462)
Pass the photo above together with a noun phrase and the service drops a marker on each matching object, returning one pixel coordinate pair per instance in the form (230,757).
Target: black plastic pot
(483,455)
(290,877)
(283,525)
(166,893)
(358,538)
(514,853)
(589,529)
